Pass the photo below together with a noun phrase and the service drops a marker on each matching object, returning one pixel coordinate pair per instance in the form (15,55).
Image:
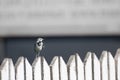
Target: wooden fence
(105,68)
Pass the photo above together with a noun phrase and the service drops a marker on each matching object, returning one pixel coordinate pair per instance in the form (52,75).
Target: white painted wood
(88,66)
(71,68)
(111,67)
(63,69)
(11,70)
(45,70)
(4,70)
(117,61)
(79,68)
(107,68)
(95,67)
(27,70)
(58,69)
(36,66)
(19,69)
(23,69)
(7,70)
(54,68)
(104,66)
(41,69)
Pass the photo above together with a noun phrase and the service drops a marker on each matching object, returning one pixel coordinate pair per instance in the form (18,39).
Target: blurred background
(67,26)
(14,47)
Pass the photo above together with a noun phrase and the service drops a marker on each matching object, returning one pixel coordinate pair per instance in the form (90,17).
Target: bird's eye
(38,43)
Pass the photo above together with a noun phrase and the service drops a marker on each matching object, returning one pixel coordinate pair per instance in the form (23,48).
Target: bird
(38,46)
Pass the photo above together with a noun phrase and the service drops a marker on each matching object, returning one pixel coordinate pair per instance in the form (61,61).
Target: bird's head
(40,39)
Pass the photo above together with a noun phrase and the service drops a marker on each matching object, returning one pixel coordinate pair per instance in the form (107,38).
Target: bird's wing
(35,48)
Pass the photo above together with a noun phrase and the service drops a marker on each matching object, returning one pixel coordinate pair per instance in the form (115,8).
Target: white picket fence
(107,68)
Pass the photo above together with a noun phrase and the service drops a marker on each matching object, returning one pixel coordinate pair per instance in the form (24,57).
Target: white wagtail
(38,46)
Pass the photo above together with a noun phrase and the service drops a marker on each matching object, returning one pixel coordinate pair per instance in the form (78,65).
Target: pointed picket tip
(54,66)
(78,58)
(62,60)
(54,60)
(107,66)
(79,67)
(96,67)
(35,61)
(20,59)
(91,67)
(95,57)
(4,70)
(7,70)
(111,65)
(4,63)
(11,61)
(76,54)
(63,75)
(106,54)
(41,69)
(36,68)
(45,69)
(12,69)
(117,54)
(104,65)
(71,66)
(88,66)
(71,60)
(103,55)
(44,60)
(110,56)
(26,61)
(19,68)
(88,55)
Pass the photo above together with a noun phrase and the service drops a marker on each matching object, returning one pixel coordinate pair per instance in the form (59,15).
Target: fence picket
(79,68)
(4,70)
(71,68)
(7,70)
(27,70)
(95,67)
(19,69)
(23,69)
(111,66)
(45,69)
(11,70)
(104,66)
(62,69)
(59,68)
(117,64)
(36,66)
(88,66)
(107,68)
(54,66)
